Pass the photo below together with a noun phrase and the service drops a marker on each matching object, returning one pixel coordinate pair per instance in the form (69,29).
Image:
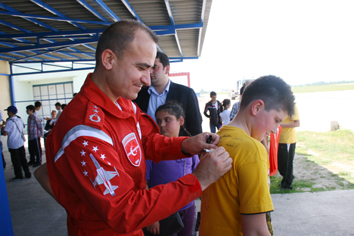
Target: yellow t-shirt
(242,190)
(288,135)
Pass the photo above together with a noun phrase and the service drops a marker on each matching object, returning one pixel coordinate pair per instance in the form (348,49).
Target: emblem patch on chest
(132,149)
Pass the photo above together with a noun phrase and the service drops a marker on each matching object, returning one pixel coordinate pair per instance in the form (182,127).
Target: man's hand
(154,228)
(196,144)
(212,166)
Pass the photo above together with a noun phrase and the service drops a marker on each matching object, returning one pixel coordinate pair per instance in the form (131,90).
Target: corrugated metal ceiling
(68,30)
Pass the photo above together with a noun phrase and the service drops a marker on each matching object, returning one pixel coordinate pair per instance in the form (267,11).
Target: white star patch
(83,163)
(83,153)
(95,149)
(85,143)
(85,173)
(95,110)
(103,156)
(109,163)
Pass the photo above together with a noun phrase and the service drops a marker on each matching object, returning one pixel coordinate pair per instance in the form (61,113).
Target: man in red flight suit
(96,152)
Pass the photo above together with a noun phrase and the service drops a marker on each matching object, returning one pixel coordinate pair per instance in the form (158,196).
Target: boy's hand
(212,166)
(196,144)
(154,228)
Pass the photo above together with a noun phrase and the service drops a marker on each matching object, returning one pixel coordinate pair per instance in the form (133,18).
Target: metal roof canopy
(52,31)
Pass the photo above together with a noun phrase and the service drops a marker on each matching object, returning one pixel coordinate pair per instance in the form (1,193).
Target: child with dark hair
(214,108)
(35,132)
(238,202)
(225,114)
(37,106)
(170,119)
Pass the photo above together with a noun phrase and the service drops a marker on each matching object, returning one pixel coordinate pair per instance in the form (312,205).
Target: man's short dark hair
(212,93)
(31,108)
(58,104)
(273,91)
(165,61)
(37,104)
(118,36)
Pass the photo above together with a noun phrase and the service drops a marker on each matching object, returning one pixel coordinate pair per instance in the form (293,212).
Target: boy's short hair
(31,108)
(275,93)
(58,104)
(212,93)
(37,104)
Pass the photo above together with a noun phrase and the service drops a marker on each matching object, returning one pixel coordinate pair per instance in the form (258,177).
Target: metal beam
(15,27)
(131,10)
(40,71)
(92,10)
(10,9)
(55,12)
(51,45)
(33,20)
(201,29)
(106,9)
(168,7)
(68,34)
(69,20)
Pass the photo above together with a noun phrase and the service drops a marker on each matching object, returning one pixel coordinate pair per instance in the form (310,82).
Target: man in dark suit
(162,89)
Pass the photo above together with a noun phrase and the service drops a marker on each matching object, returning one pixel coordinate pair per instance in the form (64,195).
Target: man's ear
(181,120)
(256,106)
(107,59)
(167,69)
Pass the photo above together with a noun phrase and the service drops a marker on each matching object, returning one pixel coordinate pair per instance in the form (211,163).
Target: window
(49,94)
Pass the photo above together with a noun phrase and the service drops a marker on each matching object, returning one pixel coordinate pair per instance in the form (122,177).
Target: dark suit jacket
(184,96)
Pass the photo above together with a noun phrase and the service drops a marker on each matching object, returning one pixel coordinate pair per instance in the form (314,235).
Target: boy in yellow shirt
(238,202)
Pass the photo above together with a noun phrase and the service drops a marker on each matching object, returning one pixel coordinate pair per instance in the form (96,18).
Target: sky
(302,42)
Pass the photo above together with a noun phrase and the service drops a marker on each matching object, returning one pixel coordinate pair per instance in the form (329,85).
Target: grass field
(328,160)
(323,88)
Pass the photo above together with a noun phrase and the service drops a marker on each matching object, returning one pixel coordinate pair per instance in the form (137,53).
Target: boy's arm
(294,124)
(42,177)
(205,110)
(254,225)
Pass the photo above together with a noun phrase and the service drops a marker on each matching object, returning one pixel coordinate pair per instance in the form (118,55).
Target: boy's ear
(181,120)
(256,107)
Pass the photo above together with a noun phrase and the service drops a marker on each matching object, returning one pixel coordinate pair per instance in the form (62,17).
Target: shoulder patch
(94,116)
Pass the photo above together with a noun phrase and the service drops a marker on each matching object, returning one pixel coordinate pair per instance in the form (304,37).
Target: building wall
(23,86)
(5,99)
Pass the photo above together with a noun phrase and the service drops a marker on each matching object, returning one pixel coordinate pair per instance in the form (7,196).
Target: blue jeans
(213,128)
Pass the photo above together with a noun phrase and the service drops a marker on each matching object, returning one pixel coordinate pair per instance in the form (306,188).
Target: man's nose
(145,79)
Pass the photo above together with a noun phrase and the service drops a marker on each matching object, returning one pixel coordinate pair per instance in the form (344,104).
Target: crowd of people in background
(14,129)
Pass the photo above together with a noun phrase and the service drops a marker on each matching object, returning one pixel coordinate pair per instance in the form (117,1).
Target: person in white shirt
(2,123)
(13,129)
(225,114)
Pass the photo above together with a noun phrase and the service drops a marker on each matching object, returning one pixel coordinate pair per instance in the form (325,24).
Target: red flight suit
(96,164)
